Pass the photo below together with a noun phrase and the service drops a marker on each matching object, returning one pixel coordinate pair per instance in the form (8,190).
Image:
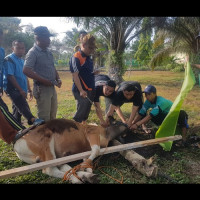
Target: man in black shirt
(103,87)
(127,92)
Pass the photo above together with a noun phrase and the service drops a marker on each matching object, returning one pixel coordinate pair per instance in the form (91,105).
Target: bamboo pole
(79,156)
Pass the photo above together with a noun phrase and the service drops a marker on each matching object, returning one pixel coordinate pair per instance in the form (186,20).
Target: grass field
(180,165)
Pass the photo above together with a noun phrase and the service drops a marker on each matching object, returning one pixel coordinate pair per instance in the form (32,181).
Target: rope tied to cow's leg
(84,165)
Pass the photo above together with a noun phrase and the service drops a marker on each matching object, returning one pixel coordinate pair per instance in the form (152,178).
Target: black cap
(149,89)
(42,31)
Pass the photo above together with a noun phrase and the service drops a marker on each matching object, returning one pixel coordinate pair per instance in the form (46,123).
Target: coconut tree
(117,32)
(177,35)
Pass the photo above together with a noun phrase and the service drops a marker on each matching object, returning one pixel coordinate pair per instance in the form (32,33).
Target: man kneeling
(159,108)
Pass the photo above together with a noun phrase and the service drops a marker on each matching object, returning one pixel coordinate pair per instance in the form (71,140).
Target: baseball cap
(149,89)
(42,31)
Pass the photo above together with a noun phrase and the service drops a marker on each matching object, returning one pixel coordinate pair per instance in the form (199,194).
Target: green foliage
(13,31)
(144,52)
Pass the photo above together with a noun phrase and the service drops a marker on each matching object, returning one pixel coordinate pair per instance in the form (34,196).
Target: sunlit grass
(168,85)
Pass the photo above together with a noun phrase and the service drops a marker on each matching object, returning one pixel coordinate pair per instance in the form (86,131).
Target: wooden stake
(79,156)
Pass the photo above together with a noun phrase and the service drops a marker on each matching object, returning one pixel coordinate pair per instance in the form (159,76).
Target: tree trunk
(115,66)
(144,166)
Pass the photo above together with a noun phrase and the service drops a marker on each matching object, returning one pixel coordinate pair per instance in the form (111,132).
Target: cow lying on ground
(58,138)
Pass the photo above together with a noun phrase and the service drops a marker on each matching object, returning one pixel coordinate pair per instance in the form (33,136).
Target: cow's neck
(104,138)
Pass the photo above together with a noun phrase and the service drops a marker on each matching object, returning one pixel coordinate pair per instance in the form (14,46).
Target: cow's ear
(112,120)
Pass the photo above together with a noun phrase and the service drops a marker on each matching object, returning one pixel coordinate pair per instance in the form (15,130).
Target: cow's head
(116,128)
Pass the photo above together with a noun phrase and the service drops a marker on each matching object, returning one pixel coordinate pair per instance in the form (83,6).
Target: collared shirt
(158,109)
(83,64)
(41,62)
(15,69)
(2,56)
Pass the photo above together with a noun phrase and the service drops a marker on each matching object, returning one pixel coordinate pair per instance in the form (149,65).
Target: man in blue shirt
(3,107)
(16,83)
(156,108)
(81,67)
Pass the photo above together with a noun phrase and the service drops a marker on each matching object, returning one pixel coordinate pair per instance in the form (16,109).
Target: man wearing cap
(39,65)
(82,69)
(156,108)
(104,86)
(127,92)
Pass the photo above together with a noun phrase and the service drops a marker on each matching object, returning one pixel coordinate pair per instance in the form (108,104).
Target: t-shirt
(158,110)
(15,69)
(100,81)
(83,64)
(120,99)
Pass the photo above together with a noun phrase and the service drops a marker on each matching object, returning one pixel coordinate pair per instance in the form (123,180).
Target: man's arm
(29,90)
(99,114)
(196,65)
(139,122)
(120,114)
(133,114)
(12,79)
(31,74)
(110,112)
(77,82)
(58,80)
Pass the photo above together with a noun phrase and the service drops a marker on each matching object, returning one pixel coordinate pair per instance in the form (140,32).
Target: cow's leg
(84,176)
(49,154)
(94,140)
(23,151)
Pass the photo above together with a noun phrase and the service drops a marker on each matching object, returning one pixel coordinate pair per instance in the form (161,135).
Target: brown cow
(61,137)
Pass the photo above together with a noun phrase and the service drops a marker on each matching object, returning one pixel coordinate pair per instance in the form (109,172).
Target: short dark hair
(130,88)
(16,41)
(111,83)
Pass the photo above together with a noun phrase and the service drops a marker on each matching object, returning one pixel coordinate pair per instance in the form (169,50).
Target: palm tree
(117,32)
(179,35)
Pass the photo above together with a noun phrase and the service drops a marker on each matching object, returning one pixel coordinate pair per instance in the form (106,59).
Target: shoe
(38,122)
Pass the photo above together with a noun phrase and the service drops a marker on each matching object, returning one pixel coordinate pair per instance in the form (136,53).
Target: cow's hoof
(90,178)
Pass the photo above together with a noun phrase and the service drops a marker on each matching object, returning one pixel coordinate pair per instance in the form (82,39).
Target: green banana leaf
(169,125)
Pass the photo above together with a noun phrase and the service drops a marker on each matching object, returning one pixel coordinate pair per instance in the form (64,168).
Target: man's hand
(104,124)
(30,92)
(134,127)
(83,93)
(59,83)
(23,93)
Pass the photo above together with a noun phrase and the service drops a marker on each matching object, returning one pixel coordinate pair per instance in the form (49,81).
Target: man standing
(3,107)
(16,84)
(39,65)
(81,67)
